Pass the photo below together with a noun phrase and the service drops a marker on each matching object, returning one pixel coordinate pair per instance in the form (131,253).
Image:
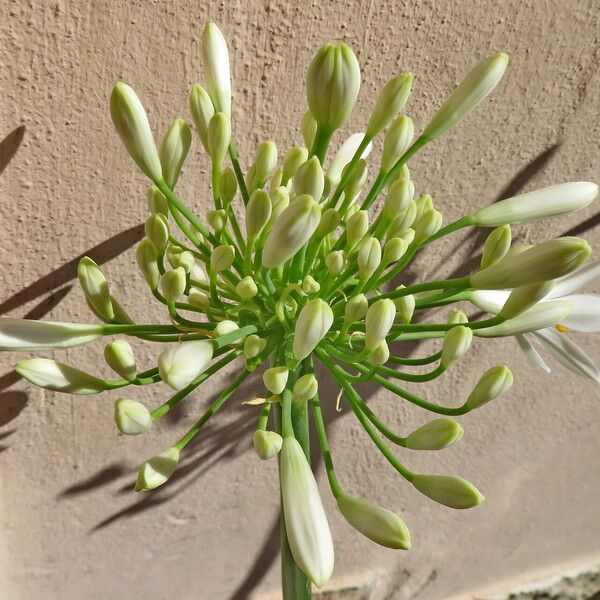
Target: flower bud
(378,322)
(390,102)
(172,284)
(305,388)
(217,219)
(157,203)
(310,285)
(548,202)
(309,129)
(435,435)
(494,382)
(202,110)
(95,287)
(496,246)
(350,211)
(394,250)
(246,289)
(379,524)
(280,200)
(403,222)
(399,195)
(356,308)
(424,204)
(335,262)
(292,161)
(405,307)
(131,417)
(157,470)
(305,521)
(356,181)
(215,59)
(458,317)
(157,231)
(227,326)
(314,321)
(266,443)
(198,298)
(119,357)
(380,355)
(332,85)
(174,149)
(131,123)
(291,231)
(275,379)
(478,83)
(227,186)
(456,342)
(356,228)
(396,142)
(178,257)
(523,298)
(58,377)
(428,225)
(253,346)
(369,258)
(181,363)
(258,213)
(146,257)
(548,260)
(265,159)
(330,219)
(344,155)
(451,491)
(407,236)
(221,258)
(309,179)
(218,138)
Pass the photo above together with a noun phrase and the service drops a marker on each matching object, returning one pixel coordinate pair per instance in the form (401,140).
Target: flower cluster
(311,274)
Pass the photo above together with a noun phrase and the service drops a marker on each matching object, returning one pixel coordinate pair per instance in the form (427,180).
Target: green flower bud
(435,435)
(310,285)
(451,491)
(172,284)
(221,258)
(378,322)
(179,257)
(266,443)
(407,236)
(390,102)
(344,155)
(202,110)
(548,260)
(246,289)
(403,222)
(405,307)
(399,196)
(394,250)
(356,308)
(174,149)
(131,123)
(157,231)
(379,524)
(456,342)
(131,417)
(280,200)
(181,363)
(217,219)
(227,186)
(458,317)
(218,138)
(335,262)
(292,161)
(265,159)
(275,379)
(119,357)
(276,179)
(253,346)
(494,382)
(258,213)
(305,388)
(380,355)
(227,326)
(293,228)
(157,470)
(146,257)
(309,129)
(369,258)
(478,83)
(198,298)
(215,59)
(29,334)
(309,179)
(157,203)
(356,228)
(314,321)
(357,179)
(396,142)
(523,298)
(428,225)
(58,377)
(95,287)
(330,219)
(332,85)
(496,246)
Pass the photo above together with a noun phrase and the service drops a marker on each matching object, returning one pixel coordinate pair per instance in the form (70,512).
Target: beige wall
(70,526)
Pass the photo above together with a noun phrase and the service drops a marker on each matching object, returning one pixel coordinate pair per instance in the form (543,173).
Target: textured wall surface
(71,528)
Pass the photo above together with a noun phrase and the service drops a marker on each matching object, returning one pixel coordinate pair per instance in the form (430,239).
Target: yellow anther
(561,328)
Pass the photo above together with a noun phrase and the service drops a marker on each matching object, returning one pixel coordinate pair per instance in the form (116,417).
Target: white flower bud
(309,179)
(424,204)
(253,346)
(399,196)
(157,470)
(95,287)
(120,358)
(548,202)
(202,110)
(378,322)
(227,326)
(215,59)
(428,225)
(172,284)
(217,219)
(435,435)
(458,317)
(356,181)
(314,321)
(494,382)
(456,343)
(146,257)
(390,102)
(330,219)
(305,521)
(246,289)
(344,155)
(258,213)
(396,142)
(178,257)
(221,258)
(394,250)
(131,417)
(265,159)
(293,228)
(292,161)
(451,491)
(157,203)
(181,363)
(369,258)
(275,379)
(379,524)
(58,377)
(157,231)
(523,298)
(174,149)
(227,186)
(280,200)
(310,285)
(356,308)
(496,246)
(335,262)
(309,129)
(266,443)
(198,298)
(305,388)
(478,83)
(131,123)
(28,334)
(356,227)
(380,355)
(218,138)
(403,222)
(405,307)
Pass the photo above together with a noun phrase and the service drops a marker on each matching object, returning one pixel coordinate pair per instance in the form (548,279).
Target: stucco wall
(71,527)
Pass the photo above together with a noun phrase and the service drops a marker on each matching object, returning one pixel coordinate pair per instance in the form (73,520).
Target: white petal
(531,353)
(344,155)
(585,315)
(491,301)
(588,274)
